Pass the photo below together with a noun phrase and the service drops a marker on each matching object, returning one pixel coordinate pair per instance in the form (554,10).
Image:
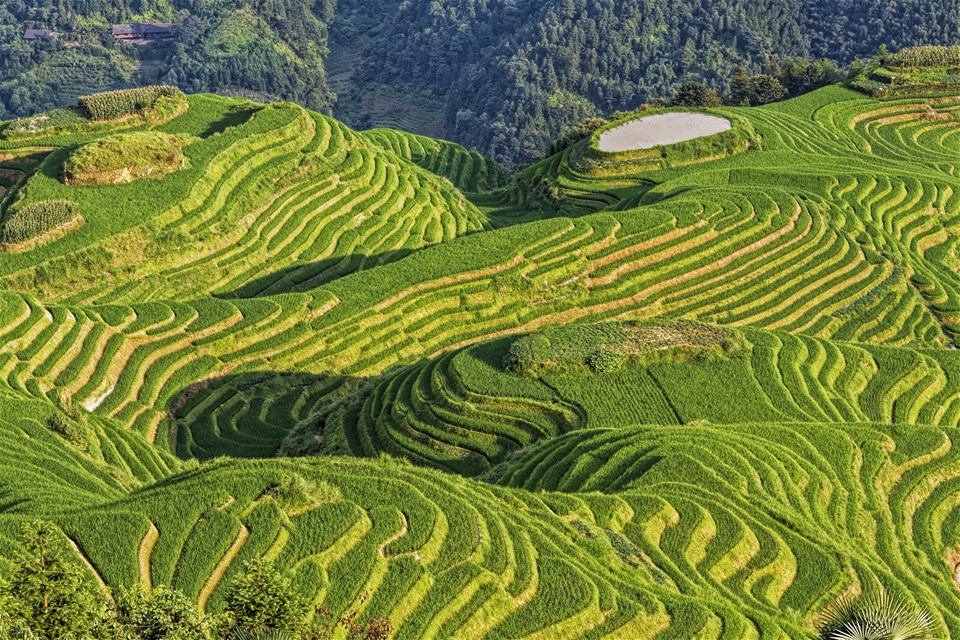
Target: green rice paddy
(741,397)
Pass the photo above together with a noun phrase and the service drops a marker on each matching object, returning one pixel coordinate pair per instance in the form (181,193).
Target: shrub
(606,361)
(60,425)
(522,357)
(263,600)
(38,218)
(296,492)
(163,614)
(611,346)
(125,102)
(696,94)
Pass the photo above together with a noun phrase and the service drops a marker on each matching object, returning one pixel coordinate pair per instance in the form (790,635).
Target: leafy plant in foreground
(876,615)
(161,614)
(264,600)
(48,593)
(61,425)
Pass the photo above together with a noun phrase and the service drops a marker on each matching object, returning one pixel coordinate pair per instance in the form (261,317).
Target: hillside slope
(504,78)
(265,49)
(512,76)
(697,391)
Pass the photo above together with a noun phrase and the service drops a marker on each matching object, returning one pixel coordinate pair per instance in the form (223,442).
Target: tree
(856,68)
(765,88)
(576,133)
(163,614)
(882,55)
(740,89)
(696,94)
(800,75)
(49,592)
(263,599)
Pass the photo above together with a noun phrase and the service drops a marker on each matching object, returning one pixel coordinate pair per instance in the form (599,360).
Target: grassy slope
(828,237)
(134,155)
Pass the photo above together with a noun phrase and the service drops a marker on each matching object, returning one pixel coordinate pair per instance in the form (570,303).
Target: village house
(32,35)
(142,31)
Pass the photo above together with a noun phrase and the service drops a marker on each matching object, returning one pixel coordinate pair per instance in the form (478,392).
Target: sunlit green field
(737,400)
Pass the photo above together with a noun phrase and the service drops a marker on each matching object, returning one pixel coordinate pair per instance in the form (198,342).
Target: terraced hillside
(274,199)
(464,412)
(694,392)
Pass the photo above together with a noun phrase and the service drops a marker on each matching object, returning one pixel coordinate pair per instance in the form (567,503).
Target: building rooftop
(142,29)
(40,34)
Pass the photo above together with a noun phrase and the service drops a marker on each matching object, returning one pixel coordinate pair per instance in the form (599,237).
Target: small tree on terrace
(263,600)
(882,55)
(49,592)
(740,89)
(765,89)
(696,94)
(162,614)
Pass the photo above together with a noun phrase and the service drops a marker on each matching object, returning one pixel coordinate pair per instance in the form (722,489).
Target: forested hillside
(504,77)
(265,49)
(513,74)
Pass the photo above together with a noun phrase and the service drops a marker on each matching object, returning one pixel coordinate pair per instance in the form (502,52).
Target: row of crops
(827,493)
(629,528)
(368,288)
(721,267)
(466,413)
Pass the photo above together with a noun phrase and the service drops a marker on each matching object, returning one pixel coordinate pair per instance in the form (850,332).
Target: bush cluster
(38,218)
(611,346)
(294,492)
(61,425)
(522,356)
(606,361)
(125,102)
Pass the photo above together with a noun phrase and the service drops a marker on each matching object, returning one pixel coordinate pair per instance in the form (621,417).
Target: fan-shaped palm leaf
(875,615)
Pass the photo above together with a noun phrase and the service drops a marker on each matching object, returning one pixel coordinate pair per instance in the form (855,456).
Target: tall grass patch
(125,102)
(38,218)
(124,158)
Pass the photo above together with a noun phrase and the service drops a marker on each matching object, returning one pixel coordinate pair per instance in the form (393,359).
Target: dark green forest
(514,73)
(509,76)
(264,49)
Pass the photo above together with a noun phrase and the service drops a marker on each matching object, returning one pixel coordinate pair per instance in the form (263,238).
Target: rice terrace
(693,374)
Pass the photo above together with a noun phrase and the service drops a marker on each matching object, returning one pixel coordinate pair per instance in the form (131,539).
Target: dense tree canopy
(267,49)
(515,73)
(512,75)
